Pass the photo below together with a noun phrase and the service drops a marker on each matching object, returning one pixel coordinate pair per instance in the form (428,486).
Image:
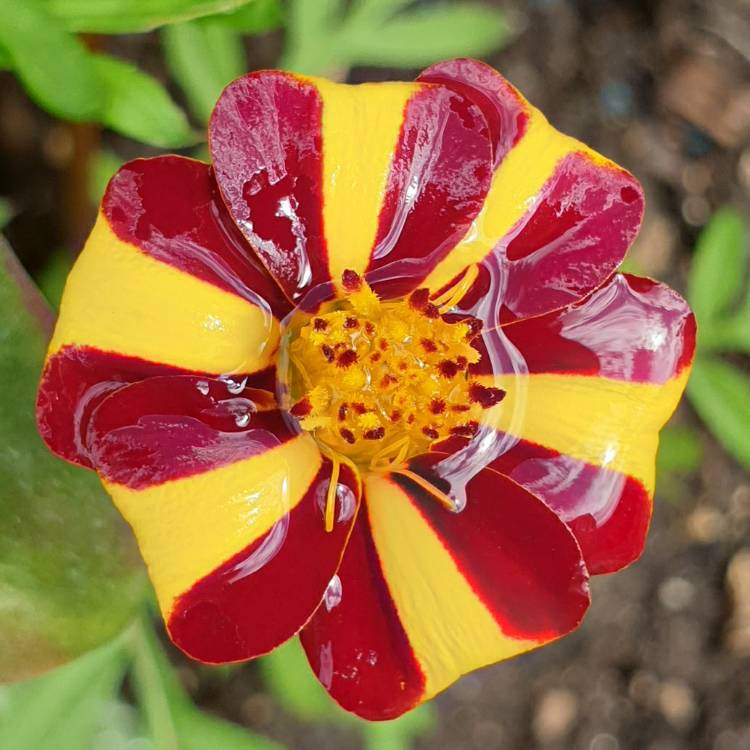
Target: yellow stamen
(382,380)
(453,296)
(333,486)
(430,488)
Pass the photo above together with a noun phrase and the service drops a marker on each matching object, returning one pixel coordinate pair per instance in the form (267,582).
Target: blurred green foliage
(330,35)
(204,48)
(70,575)
(719,387)
(70,708)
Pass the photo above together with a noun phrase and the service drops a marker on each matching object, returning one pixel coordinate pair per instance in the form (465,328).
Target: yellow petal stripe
(516,185)
(450,630)
(118,299)
(602,421)
(188,527)
(361,128)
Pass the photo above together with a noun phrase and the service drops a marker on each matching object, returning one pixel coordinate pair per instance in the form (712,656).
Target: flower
(371,376)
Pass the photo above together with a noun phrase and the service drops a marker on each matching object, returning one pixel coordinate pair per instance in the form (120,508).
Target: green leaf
(312,36)
(717,272)
(203,59)
(51,279)
(138,106)
(720,394)
(400,733)
(680,450)
(426,34)
(256,17)
(52,65)
(132,16)
(64,709)
(322,38)
(70,574)
(173,721)
(103,167)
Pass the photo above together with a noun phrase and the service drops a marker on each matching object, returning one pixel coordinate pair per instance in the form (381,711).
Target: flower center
(378,382)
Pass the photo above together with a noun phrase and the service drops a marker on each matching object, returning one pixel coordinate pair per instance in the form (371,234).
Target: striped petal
(228,508)
(427,595)
(322,177)
(164,285)
(579,424)
(558,218)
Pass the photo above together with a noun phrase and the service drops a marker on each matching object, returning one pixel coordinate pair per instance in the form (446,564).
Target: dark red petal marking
(631,329)
(358,648)
(440,174)
(263,595)
(501,105)
(170,208)
(166,428)
(608,512)
(265,142)
(74,381)
(519,558)
(579,232)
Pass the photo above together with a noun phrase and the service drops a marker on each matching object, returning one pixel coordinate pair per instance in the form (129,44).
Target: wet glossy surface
(519,557)
(441,171)
(503,109)
(263,595)
(164,428)
(633,330)
(266,149)
(170,208)
(358,649)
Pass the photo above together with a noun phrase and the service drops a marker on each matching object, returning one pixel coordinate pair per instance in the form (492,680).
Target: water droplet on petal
(332,597)
(347,502)
(242,420)
(203,387)
(235,387)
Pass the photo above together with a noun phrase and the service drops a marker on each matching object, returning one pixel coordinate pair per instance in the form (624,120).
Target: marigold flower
(371,376)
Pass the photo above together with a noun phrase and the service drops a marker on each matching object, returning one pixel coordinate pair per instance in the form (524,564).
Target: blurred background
(662,661)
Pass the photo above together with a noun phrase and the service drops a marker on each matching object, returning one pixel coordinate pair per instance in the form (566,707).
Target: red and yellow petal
(444,593)
(228,513)
(581,425)
(162,286)
(558,218)
(324,177)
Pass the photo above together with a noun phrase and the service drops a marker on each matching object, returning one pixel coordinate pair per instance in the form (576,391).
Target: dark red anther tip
(351,280)
(302,408)
(485,396)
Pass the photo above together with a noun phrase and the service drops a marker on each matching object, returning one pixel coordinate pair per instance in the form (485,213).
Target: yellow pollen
(377,382)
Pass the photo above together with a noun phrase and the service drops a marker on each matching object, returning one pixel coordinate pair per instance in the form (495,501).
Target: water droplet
(235,387)
(242,420)
(346,500)
(203,387)
(332,597)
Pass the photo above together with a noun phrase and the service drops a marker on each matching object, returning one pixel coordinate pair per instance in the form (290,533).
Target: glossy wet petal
(228,508)
(297,158)
(558,218)
(580,424)
(164,285)
(446,593)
